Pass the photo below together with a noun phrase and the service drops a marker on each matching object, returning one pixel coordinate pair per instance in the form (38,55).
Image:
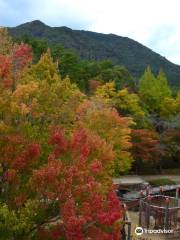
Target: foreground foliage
(55,172)
(60,147)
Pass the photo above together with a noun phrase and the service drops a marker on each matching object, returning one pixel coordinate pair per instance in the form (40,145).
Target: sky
(154,23)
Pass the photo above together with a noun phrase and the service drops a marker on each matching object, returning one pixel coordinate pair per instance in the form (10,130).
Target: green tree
(164,89)
(153,90)
(147,89)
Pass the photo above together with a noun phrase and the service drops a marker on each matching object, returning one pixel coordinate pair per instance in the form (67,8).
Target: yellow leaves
(3,127)
(107,91)
(24,98)
(24,109)
(1,101)
(170,107)
(127,103)
(14,107)
(106,122)
(5,41)
(45,69)
(20,108)
(24,91)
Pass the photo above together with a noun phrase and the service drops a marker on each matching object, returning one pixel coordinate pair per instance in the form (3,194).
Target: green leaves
(153,90)
(19,224)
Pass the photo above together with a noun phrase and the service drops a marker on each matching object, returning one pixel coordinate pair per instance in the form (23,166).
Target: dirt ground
(135,219)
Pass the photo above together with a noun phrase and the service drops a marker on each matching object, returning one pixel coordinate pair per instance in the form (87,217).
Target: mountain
(97,46)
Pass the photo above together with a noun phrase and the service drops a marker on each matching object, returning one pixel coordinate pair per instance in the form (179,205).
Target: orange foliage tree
(146,147)
(100,118)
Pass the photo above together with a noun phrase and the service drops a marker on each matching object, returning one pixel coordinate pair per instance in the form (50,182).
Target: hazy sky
(155,23)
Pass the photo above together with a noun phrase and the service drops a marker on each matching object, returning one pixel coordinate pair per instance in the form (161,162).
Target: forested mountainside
(97,46)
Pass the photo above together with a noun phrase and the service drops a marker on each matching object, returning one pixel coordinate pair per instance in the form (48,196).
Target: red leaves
(93,85)
(96,166)
(20,162)
(27,157)
(58,140)
(20,200)
(171,139)
(45,176)
(5,70)
(7,83)
(11,175)
(5,64)
(18,153)
(110,215)
(73,222)
(145,145)
(78,138)
(21,56)
(14,63)
(57,137)
(33,150)
(73,178)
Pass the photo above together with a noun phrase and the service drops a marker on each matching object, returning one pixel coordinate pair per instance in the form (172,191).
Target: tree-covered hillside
(96,46)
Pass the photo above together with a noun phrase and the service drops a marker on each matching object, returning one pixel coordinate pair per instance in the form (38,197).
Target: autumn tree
(12,67)
(44,99)
(171,142)
(34,97)
(105,121)
(127,103)
(71,196)
(47,187)
(5,42)
(17,158)
(145,148)
(73,176)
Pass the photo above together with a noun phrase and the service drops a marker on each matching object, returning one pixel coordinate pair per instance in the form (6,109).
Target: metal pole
(129,231)
(147,191)
(167,214)
(161,190)
(140,212)
(177,193)
(148,207)
(147,216)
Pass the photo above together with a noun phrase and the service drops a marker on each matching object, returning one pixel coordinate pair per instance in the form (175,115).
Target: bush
(173,171)
(161,181)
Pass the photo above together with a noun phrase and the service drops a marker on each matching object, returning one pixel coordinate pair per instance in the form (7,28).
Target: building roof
(128,180)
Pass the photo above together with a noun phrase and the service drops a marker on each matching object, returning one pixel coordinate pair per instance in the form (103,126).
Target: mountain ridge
(99,46)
